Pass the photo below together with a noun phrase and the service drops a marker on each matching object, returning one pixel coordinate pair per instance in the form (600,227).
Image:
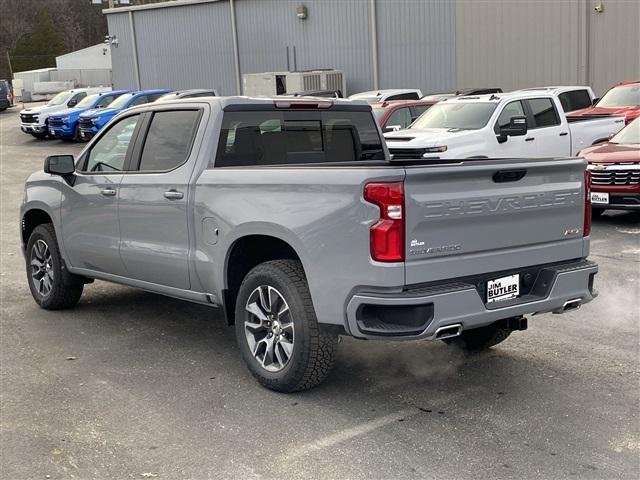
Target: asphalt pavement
(134,385)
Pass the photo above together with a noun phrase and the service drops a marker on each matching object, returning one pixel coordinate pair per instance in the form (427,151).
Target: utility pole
(9,62)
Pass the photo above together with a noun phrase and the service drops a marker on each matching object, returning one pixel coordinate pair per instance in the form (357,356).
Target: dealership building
(434,45)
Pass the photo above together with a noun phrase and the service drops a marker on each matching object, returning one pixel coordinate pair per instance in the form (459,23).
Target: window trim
(136,157)
(84,158)
(531,118)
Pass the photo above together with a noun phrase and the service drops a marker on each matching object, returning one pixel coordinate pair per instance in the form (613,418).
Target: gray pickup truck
(290,215)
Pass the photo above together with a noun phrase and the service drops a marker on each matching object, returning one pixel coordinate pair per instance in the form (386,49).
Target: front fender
(43,192)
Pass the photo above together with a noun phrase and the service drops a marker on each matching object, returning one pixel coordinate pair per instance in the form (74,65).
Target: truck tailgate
(484,216)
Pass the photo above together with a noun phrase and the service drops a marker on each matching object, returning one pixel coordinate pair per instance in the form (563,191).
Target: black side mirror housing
(517,127)
(594,101)
(62,165)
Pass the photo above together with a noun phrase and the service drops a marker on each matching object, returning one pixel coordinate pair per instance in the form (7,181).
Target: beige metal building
(435,45)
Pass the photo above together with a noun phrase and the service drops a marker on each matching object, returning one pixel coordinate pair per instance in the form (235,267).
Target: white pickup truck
(516,125)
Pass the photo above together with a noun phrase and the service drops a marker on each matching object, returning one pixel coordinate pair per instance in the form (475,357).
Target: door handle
(108,192)
(564,134)
(173,195)
(529,139)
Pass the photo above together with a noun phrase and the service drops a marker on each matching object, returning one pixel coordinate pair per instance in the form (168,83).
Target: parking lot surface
(134,385)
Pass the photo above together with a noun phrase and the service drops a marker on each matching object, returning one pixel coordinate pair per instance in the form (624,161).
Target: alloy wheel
(41,267)
(269,328)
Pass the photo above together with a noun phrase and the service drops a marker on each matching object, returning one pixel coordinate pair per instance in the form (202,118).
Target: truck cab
(516,124)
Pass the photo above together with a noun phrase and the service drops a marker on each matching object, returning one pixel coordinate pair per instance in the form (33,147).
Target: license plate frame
(503,288)
(600,198)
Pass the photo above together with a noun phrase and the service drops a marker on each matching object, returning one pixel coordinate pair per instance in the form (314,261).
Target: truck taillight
(586,229)
(387,234)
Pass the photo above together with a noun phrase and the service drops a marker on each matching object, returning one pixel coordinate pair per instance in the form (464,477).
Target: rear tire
(478,339)
(51,284)
(277,330)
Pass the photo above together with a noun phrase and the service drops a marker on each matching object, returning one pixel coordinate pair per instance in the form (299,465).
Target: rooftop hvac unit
(280,83)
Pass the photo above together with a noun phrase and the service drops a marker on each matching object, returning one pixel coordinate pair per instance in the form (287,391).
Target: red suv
(399,114)
(622,99)
(615,171)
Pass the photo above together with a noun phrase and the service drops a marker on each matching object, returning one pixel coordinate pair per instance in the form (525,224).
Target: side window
(419,110)
(401,116)
(110,151)
(169,140)
(404,96)
(76,98)
(153,97)
(105,100)
(142,99)
(544,112)
(274,137)
(574,100)
(511,109)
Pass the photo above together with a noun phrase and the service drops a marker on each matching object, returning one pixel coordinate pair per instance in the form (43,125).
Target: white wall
(94,57)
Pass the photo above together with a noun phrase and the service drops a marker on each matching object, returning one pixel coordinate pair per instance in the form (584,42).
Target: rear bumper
(420,313)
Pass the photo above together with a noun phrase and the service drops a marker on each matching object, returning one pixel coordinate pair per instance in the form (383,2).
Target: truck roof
(557,89)
(499,97)
(283,102)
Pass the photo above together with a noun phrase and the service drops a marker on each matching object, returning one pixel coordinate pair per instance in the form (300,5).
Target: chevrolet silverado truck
(35,120)
(65,124)
(292,218)
(506,125)
(91,121)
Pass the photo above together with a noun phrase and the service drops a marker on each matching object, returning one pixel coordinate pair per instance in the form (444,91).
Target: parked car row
(80,113)
(553,121)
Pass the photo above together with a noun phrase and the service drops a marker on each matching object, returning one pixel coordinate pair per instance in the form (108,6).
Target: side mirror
(391,128)
(517,127)
(594,101)
(72,103)
(59,165)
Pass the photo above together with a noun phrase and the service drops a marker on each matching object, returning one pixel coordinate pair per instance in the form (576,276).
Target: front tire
(277,330)
(478,339)
(51,284)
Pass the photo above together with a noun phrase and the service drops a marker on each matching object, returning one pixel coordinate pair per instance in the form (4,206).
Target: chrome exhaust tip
(448,331)
(573,304)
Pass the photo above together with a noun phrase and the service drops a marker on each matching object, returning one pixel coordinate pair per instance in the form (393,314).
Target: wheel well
(246,253)
(31,220)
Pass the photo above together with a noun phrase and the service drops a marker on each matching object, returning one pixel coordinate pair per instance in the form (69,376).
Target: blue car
(92,121)
(65,124)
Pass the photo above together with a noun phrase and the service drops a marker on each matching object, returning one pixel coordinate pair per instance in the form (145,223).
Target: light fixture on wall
(111,40)
(301,12)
